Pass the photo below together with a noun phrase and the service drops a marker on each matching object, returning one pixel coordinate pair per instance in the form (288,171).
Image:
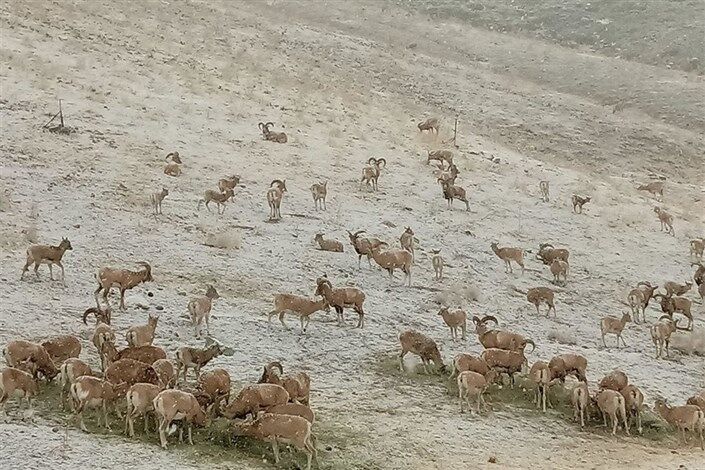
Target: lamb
(130,371)
(92,392)
(20,352)
(547,254)
(539,295)
(45,254)
(441,156)
(363,245)
(421,345)
(342,297)
(210,195)
(661,332)
(275,193)
(140,402)
(580,397)
(612,403)
(216,384)
(579,202)
(15,382)
(61,348)
(540,374)
(173,405)
(319,191)
(471,384)
(697,246)
(508,255)
(615,380)
(328,245)
(543,187)
(639,298)
(278,428)
(123,278)
(293,409)
(671,305)
(499,339)
(156,200)
(199,309)
(685,417)
(558,268)
(666,220)
(568,364)
(655,188)
(437,261)
(253,398)
(634,402)
(615,326)
(673,288)
(166,372)
(455,319)
(197,358)
(407,240)
(430,124)
(394,259)
(297,385)
(370,174)
(297,305)
(70,370)
(229,182)
(142,335)
(173,167)
(503,361)
(278,137)
(452,192)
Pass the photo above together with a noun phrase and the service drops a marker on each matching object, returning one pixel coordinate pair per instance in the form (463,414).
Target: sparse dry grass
(689,342)
(227,239)
(563,335)
(458,294)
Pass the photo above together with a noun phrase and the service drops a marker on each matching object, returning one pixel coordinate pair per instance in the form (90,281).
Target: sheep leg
(190,438)
(281,319)
(460,398)
(105,415)
(624,420)
(207,206)
(401,360)
(63,276)
(582,417)
(620,337)
(163,424)
(544,392)
(275,449)
(51,272)
(122,298)
(36,269)
(603,340)
(79,416)
(667,352)
(325,208)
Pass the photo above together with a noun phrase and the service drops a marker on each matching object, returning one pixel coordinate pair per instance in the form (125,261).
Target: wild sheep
(370,174)
(407,240)
(471,384)
(166,372)
(463,362)
(441,156)
(297,385)
(450,175)
(452,192)
(342,297)
(229,182)
(275,193)
(671,305)
(685,417)
(102,336)
(503,361)
(130,371)
(394,259)
(216,384)
(173,167)
(293,409)
(253,398)
(279,428)
(701,292)
(210,195)
(199,310)
(612,403)
(578,203)
(421,345)
(328,245)
(666,220)
(500,339)
(508,255)
(661,332)
(457,319)
(558,268)
(543,187)
(634,402)
(363,245)
(430,124)
(102,315)
(580,398)
(19,351)
(62,347)
(71,369)
(673,288)
(147,354)
(297,305)
(697,246)
(547,254)
(437,261)
(655,188)
(15,382)
(539,295)
(156,200)
(140,402)
(614,326)
(698,400)
(540,375)
(699,274)
(142,335)
(278,137)
(172,405)
(46,254)
(124,279)
(568,364)
(615,380)
(92,392)
(197,358)
(639,298)
(319,191)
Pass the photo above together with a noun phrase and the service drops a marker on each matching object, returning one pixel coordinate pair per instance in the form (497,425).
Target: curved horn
(476,320)
(263,379)
(88,312)
(269,124)
(278,365)
(531,342)
(545,245)
(371,160)
(260,125)
(667,317)
(279,182)
(357,234)
(145,265)
(644,283)
(489,318)
(382,160)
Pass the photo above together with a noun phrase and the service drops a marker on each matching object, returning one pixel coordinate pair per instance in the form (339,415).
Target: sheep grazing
(559,268)
(463,362)
(499,339)
(612,403)
(62,348)
(508,255)
(173,167)
(92,392)
(279,428)
(319,191)
(503,361)
(634,403)
(278,137)
(16,383)
(452,192)
(406,240)
(199,310)
(615,380)
(438,263)
(45,254)
(174,405)
(639,298)
(671,305)
(297,305)
(548,253)
(363,245)
(655,188)
(370,174)
(229,182)
(580,398)
(123,279)
(673,288)
(197,358)
(210,195)
(661,332)
(394,259)
(540,375)
(543,187)
(421,345)
(328,245)
(457,319)
(666,220)
(140,402)
(166,372)
(70,370)
(614,326)
(293,409)
(539,295)
(441,156)
(102,315)
(156,200)
(130,371)
(430,124)
(564,365)
(685,417)
(216,385)
(297,385)
(253,398)
(342,297)
(142,335)
(275,193)
(578,203)
(147,354)
(697,246)
(19,352)
(471,384)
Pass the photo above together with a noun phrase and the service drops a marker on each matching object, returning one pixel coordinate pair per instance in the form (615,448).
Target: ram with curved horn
(370,174)
(548,253)
(279,137)
(342,297)
(499,339)
(274,198)
(363,245)
(122,278)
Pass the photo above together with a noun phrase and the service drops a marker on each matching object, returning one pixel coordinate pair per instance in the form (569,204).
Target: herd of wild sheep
(276,409)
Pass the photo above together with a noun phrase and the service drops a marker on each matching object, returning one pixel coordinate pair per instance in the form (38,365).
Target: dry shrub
(562,335)
(626,216)
(458,294)
(689,342)
(227,239)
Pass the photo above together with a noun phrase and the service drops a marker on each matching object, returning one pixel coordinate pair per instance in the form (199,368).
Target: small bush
(227,240)
(689,342)
(562,335)
(458,294)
